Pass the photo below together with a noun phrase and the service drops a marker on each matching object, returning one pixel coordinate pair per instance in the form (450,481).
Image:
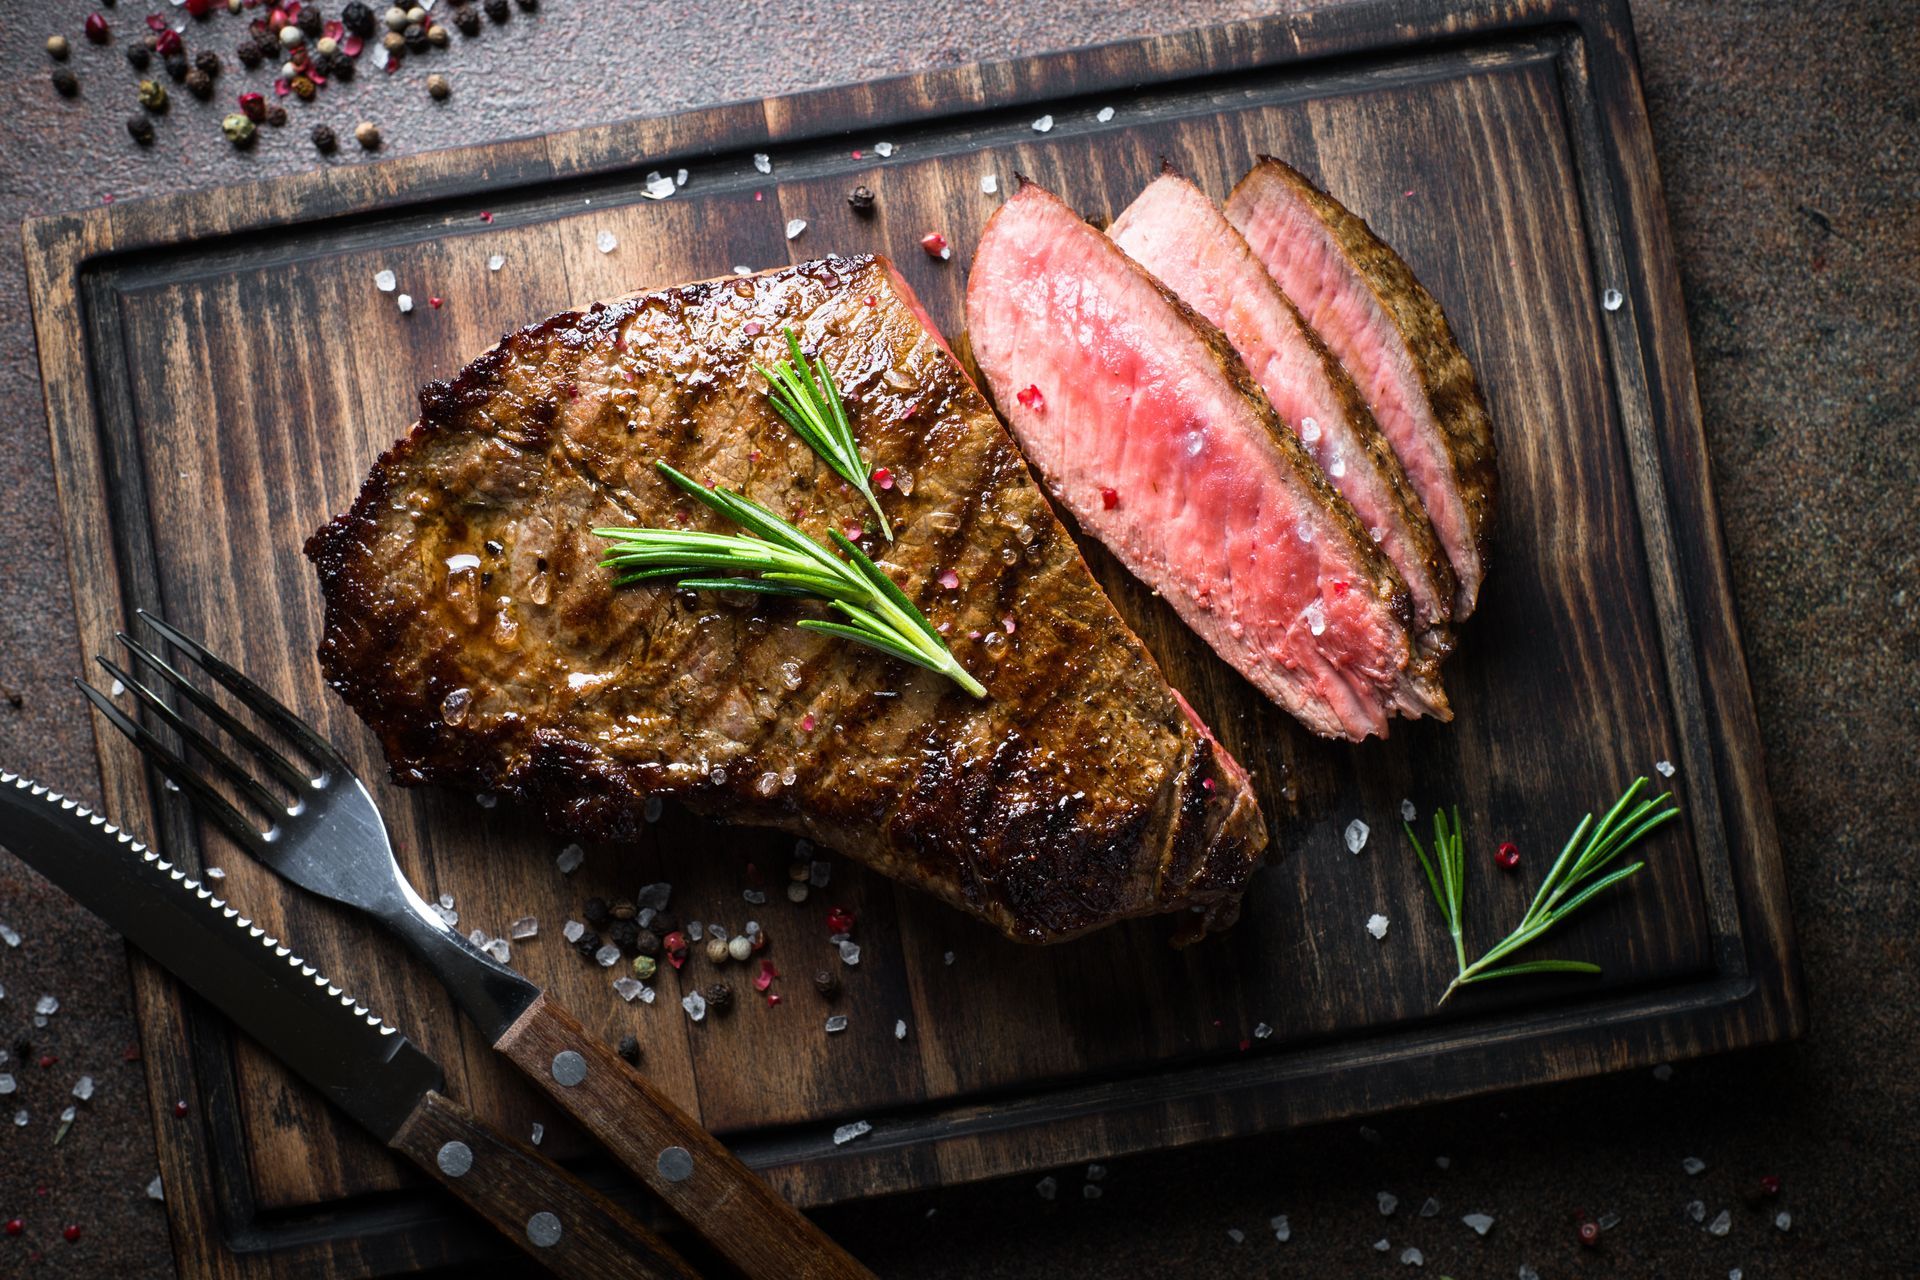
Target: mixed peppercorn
(296,39)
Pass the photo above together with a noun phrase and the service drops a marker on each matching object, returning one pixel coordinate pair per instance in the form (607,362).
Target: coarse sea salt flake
(539,1132)
(679,177)
(1282,1229)
(1047,1187)
(1377,925)
(570,859)
(404,302)
(695,1004)
(1694,1166)
(155,1191)
(627,989)
(1043,125)
(659,186)
(573,931)
(497,261)
(848,1132)
(1261,1031)
(1382,1245)
(7,934)
(1236,1235)
(385,281)
(1388,1202)
(47,1006)
(607,956)
(794,227)
(606,242)
(1430,1208)
(883,149)
(1413,1257)
(1721,1224)
(743,271)
(849,953)
(1356,835)
(989,184)
(1407,812)
(500,950)
(1611,299)
(1091,1192)
(83,1088)
(1103,115)
(762,162)
(523,928)
(836,1024)
(1697,1210)
(7,1083)
(1480,1222)
(1664,768)
(899,1028)
(1783,1220)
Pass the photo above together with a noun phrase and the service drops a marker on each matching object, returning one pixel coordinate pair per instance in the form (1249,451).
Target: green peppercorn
(141,129)
(719,997)
(324,140)
(645,967)
(630,1049)
(239,130)
(208,61)
(437,87)
(468,20)
(58,48)
(827,983)
(303,88)
(199,84)
(67,83)
(153,96)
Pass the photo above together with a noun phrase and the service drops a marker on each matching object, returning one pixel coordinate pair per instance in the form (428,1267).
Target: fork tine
(269,805)
(281,767)
(263,704)
(211,802)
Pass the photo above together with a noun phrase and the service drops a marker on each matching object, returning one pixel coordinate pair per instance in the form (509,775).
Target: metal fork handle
(687,1167)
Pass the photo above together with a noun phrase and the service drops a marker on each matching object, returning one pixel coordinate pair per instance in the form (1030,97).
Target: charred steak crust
(468,622)
(1452,389)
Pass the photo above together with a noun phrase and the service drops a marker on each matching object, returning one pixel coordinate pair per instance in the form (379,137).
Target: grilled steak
(1363,301)
(1178,235)
(1148,427)
(470,624)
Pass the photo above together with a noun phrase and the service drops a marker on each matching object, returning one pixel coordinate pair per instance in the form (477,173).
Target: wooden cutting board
(221,370)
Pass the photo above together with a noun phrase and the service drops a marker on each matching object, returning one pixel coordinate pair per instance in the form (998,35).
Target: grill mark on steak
(1218,506)
(1394,340)
(1080,792)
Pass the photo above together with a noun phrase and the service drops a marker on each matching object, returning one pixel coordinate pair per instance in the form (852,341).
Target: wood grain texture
(220,372)
(566,1227)
(681,1163)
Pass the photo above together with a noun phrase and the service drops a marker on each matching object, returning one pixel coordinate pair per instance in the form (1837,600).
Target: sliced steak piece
(1363,301)
(469,622)
(1177,234)
(1146,425)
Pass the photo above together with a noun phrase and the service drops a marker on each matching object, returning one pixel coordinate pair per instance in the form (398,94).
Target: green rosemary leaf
(775,558)
(1534,966)
(1577,876)
(802,393)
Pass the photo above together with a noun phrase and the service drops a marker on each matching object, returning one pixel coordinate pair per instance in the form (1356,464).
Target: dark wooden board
(220,371)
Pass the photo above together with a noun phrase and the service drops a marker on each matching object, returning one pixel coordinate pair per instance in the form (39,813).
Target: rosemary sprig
(803,394)
(1577,876)
(774,558)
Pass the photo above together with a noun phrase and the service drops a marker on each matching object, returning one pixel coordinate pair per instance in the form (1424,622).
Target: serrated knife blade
(333,1041)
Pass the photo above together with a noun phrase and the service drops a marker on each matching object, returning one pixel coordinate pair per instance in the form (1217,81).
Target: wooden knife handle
(563,1224)
(687,1167)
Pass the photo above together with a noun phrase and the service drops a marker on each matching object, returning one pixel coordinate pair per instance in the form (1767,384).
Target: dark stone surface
(1786,135)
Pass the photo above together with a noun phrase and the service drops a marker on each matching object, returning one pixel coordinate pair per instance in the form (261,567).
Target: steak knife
(363,1066)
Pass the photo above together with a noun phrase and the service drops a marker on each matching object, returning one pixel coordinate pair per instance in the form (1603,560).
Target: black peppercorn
(647,943)
(325,141)
(719,997)
(357,18)
(141,129)
(342,68)
(139,56)
(310,21)
(177,67)
(66,82)
(861,198)
(665,923)
(528,6)
(498,10)
(323,63)
(827,983)
(596,912)
(249,53)
(276,115)
(624,934)
(587,944)
(467,20)
(208,61)
(630,1049)
(416,37)
(199,84)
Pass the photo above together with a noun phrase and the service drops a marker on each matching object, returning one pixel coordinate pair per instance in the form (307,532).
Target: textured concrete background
(1787,137)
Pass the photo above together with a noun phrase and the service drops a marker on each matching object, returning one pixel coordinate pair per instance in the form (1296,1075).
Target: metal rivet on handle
(543,1229)
(569,1068)
(675,1164)
(455,1159)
